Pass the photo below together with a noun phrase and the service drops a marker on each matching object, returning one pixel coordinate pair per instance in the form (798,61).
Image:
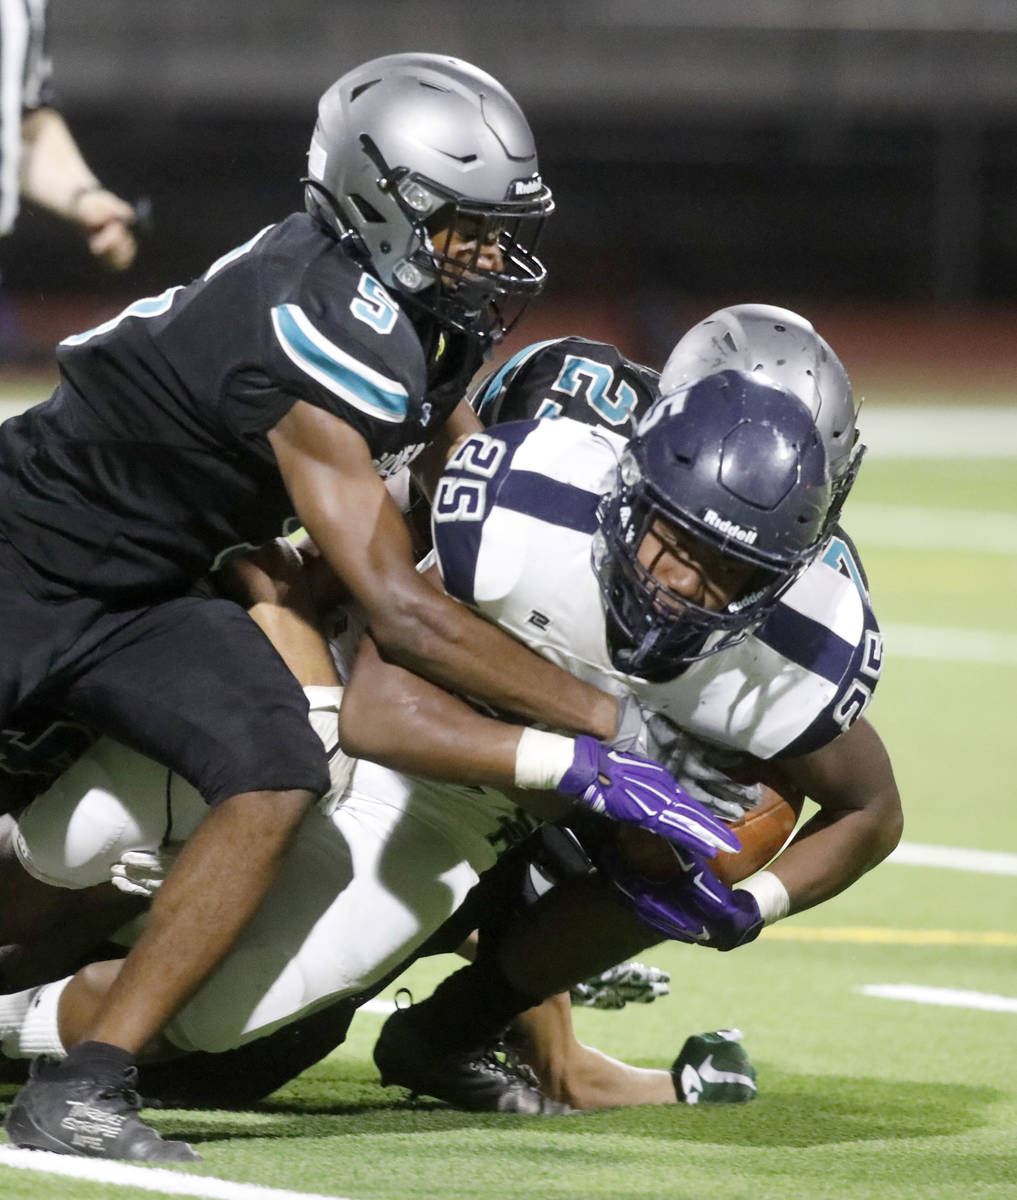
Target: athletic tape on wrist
(323,698)
(542,759)
(770,894)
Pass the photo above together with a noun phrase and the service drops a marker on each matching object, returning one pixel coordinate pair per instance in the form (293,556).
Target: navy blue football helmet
(735,461)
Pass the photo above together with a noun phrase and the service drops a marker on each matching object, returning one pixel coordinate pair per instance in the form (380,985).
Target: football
(762,832)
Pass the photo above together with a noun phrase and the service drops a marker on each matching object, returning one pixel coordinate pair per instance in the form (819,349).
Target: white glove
(141,872)
(324,703)
(701,769)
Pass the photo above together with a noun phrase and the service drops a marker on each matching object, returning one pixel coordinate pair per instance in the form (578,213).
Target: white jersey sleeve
(514,519)
(802,678)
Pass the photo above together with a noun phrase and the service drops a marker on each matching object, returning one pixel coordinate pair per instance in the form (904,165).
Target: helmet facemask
(653,632)
(458,288)
(735,463)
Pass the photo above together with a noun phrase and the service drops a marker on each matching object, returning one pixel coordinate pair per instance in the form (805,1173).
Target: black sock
(97,1059)
(470,1008)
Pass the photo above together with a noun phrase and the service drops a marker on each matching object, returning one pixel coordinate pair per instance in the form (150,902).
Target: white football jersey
(513,521)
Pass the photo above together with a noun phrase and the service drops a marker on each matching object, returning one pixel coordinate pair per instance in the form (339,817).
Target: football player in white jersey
(587,381)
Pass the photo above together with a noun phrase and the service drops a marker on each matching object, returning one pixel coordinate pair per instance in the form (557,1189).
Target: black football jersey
(568,377)
(150,462)
(36,746)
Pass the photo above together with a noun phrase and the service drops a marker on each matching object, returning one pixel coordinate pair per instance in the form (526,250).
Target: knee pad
(111,800)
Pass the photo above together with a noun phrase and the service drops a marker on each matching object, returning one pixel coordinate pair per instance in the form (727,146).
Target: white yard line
(949,644)
(945,997)
(912,527)
(953,858)
(960,431)
(149,1179)
(880,935)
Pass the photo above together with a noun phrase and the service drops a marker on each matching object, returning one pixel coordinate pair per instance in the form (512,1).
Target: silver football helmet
(783,345)
(410,144)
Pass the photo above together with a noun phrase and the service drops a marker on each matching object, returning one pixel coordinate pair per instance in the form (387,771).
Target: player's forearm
(53,172)
(446,643)
(858,824)
(355,524)
(580,1075)
(830,853)
(393,717)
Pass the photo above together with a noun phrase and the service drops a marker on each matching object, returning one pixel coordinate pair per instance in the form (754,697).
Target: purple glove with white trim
(694,906)
(638,791)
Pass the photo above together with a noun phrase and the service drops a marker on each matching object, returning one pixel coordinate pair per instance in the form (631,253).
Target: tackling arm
(404,722)
(347,511)
(393,717)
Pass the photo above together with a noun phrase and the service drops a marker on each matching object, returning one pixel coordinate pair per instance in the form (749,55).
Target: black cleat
(476,1081)
(69,1114)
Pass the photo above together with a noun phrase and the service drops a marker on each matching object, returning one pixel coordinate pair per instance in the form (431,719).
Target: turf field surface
(882,1023)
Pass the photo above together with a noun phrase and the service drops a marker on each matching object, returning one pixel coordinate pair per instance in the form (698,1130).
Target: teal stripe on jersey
(497,380)
(342,374)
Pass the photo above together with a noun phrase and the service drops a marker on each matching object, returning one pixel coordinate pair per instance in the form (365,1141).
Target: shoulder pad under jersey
(796,683)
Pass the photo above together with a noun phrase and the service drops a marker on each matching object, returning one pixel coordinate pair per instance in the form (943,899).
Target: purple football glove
(638,791)
(694,906)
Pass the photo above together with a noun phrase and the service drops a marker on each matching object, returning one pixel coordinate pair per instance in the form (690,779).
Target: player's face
(470,242)
(691,569)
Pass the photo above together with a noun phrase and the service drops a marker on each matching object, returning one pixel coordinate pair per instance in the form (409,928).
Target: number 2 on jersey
(592,380)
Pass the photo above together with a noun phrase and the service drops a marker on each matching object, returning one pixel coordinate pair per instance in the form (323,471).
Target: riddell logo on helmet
(730,529)
(526,187)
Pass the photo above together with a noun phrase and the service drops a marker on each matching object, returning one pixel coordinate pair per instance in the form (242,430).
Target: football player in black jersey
(275,390)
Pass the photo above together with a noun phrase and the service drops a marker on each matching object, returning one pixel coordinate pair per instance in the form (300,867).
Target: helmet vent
(460,158)
(366,210)
(361,88)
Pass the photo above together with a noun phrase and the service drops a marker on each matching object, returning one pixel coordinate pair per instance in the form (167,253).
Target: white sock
(37,1032)
(13,1008)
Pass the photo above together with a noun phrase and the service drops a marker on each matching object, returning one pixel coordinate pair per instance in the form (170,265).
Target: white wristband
(323,699)
(770,894)
(542,759)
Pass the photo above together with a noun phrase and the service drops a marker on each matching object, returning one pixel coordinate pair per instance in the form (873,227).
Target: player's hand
(693,906)
(323,704)
(106,221)
(141,872)
(628,983)
(638,791)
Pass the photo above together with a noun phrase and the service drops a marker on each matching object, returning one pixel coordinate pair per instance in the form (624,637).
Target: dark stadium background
(854,159)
